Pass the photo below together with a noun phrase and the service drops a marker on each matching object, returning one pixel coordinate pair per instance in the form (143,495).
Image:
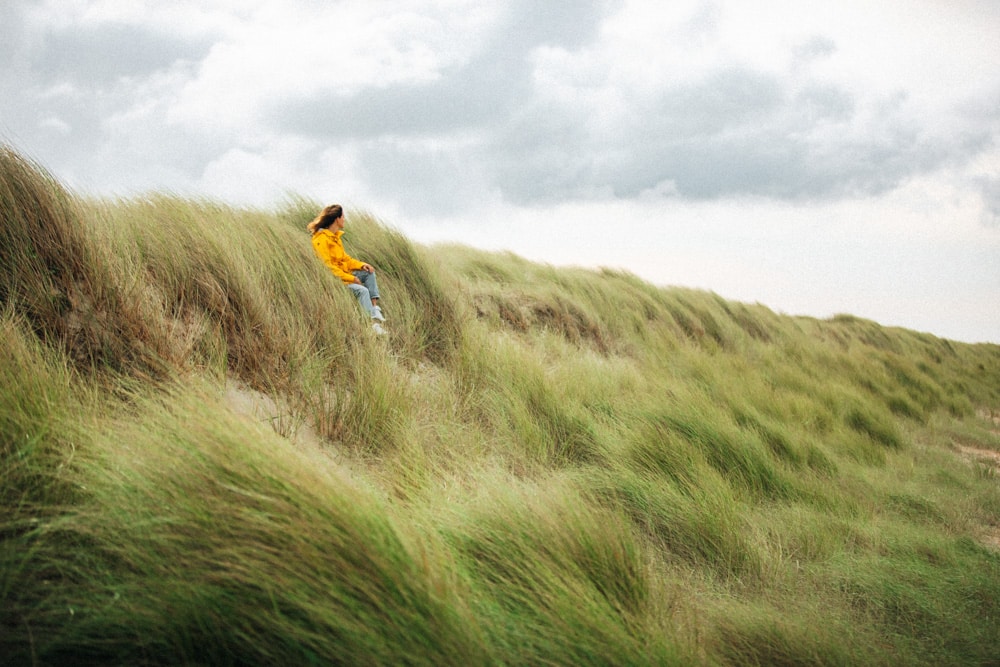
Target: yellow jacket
(329,248)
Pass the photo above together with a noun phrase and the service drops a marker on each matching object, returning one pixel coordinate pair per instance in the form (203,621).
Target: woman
(327,228)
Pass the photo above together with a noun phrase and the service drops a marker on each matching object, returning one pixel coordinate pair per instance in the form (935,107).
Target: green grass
(537,466)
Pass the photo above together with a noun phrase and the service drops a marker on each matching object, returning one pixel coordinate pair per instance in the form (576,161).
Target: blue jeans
(366,291)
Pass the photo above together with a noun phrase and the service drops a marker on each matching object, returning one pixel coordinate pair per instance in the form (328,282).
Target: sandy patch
(261,407)
(989,458)
(990,416)
(978,455)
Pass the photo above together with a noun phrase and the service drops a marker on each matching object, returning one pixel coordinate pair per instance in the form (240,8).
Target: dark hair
(326,217)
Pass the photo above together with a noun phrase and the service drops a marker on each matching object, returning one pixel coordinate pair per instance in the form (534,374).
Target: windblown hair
(325,218)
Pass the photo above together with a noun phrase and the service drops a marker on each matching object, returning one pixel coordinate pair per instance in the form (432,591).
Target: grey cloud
(815,47)
(13,74)
(480,93)
(989,189)
(545,154)
(698,136)
(90,152)
(570,24)
(101,54)
(825,103)
(986,112)
(737,132)
(11,32)
(444,182)
(477,98)
(70,81)
(724,99)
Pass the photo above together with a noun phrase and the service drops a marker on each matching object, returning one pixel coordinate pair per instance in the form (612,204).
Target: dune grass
(537,466)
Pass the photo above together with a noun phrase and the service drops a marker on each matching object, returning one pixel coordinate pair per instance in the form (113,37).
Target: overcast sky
(818,157)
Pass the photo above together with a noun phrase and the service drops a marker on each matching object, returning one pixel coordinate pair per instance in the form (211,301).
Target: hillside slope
(208,458)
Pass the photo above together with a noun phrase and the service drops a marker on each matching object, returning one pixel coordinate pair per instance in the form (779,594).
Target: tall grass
(556,578)
(536,466)
(37,385)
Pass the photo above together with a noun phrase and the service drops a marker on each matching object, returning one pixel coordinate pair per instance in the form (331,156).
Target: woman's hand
(368,267)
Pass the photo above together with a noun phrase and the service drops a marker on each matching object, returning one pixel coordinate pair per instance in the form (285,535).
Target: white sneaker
(379,330)
(378,314)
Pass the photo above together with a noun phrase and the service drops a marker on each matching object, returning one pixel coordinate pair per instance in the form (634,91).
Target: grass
(539,466)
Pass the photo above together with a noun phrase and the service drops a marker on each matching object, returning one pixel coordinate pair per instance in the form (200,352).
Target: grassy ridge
(540,465)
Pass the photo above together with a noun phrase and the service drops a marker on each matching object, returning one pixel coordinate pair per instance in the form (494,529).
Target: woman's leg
(364,298)
(371,284)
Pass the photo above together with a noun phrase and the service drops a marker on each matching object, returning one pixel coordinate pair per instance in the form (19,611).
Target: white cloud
(261,175)
(297,50)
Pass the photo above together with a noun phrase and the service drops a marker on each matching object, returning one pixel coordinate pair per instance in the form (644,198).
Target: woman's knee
(360,291)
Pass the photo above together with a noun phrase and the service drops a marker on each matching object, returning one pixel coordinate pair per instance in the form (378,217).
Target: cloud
(734,132)
(426,137)
(817,46)
(542,108)
(989,188)
(476,90)
(534,103)
(99,55)
(11,34)
(90,89)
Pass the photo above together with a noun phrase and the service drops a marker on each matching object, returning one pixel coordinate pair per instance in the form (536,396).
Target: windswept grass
(538,466)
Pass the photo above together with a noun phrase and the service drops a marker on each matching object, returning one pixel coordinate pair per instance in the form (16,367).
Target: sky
(817,157)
